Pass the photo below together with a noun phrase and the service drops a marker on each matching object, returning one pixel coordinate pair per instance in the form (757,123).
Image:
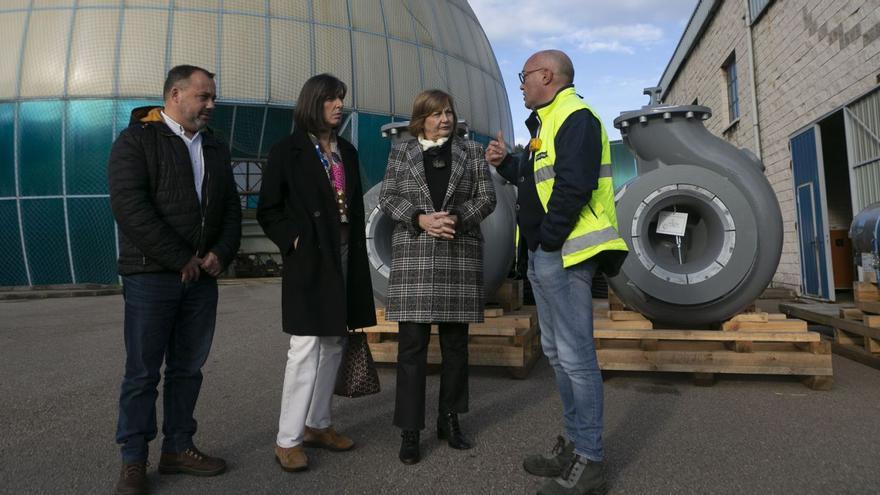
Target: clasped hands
(192,269)
(440,224)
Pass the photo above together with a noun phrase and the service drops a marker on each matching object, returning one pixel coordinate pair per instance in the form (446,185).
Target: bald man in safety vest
(565,211)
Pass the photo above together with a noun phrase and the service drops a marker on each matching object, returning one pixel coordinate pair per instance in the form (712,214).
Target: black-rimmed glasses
(522,75)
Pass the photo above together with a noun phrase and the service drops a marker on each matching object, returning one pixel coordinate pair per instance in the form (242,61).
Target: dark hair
(309,112)
(426,103)
(181,73)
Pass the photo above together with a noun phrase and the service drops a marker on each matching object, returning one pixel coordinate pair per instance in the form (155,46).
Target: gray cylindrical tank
(733,233)
(865,235)
(498,228)
(864,229)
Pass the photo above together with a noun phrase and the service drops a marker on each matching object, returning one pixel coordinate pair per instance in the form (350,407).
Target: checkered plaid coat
(432,279)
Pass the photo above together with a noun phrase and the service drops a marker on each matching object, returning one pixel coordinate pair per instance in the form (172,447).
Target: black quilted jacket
(161,222)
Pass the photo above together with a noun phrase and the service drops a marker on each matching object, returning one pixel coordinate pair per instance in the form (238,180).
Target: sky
(618,47)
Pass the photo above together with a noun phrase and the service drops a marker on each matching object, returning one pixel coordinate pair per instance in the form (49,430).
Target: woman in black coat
(437,188)
(311,206)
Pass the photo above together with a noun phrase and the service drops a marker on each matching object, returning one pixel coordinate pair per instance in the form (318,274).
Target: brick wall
(811,56)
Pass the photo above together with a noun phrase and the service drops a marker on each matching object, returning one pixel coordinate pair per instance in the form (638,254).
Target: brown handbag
(357,374)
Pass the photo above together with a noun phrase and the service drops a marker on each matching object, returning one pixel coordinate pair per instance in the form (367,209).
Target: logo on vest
(540,156)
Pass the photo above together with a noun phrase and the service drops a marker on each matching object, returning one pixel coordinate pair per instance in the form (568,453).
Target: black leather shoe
(449,429)
(409,447)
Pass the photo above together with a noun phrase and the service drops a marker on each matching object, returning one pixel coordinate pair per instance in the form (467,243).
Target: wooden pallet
(865,336)
(849,332)
(867,297)
(750,343)
(507,339)
(509,296)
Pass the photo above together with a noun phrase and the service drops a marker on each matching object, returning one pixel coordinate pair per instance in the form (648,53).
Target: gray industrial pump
(701,220)
(865,235)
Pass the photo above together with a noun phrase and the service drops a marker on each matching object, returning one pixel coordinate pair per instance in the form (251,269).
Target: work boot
(292,459)
(550,465)
(448,429)
(326,439)
(581,477)
(133,479)
(191,461)
(409,447)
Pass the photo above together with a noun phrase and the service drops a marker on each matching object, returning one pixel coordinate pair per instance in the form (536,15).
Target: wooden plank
(649,344)
(751,317)
(851,314)
(865,292)
(488,313)
(603,324)
(772,363)
(770,325)
(493,312)
(625,316)
(614,302)
(869,306)
(744,346)
(857,353)
(819,382)
(706,335)
(847,338)
(512,324)
(799,311)
(872,321)
(478,354)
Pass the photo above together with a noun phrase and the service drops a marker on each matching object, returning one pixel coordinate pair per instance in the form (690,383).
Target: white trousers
(309,379)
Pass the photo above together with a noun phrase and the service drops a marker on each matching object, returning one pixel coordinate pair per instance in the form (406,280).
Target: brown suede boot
(326,439)
(191,461)
(133,479)
(292,459)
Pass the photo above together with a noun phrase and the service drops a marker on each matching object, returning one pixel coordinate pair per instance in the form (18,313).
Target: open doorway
(839,203)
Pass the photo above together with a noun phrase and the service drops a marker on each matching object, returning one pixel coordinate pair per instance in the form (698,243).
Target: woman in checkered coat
(437,189)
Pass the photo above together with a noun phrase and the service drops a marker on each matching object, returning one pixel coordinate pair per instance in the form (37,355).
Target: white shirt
(196,156)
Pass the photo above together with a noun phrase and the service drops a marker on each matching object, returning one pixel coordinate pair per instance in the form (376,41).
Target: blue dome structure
(72,71)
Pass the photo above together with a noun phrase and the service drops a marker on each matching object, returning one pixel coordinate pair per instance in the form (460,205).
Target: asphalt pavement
(61,361)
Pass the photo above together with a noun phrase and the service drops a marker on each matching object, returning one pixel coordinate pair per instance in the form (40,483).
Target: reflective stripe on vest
(548,173)
(575,244)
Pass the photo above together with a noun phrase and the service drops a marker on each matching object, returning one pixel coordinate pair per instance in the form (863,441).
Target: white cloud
(590,26)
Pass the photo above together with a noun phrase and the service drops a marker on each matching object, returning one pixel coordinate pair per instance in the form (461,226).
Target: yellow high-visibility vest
(596,227)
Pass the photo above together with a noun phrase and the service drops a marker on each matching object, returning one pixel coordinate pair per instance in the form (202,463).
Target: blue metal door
(812,232)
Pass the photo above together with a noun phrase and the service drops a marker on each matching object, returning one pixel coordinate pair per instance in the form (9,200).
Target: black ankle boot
(449,429)
(409,447)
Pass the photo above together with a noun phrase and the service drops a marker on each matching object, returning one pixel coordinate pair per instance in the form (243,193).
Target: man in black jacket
(174,199)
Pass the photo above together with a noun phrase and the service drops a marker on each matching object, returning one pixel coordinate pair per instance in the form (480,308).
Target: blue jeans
(565,312)
(165,320)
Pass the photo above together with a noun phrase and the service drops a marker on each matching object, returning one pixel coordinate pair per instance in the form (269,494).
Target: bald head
(544,74)
(558,63)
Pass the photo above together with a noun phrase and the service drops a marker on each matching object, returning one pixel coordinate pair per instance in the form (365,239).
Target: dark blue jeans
(165,320)
(564,300)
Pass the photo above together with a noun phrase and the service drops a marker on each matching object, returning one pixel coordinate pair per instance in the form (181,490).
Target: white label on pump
(672,223)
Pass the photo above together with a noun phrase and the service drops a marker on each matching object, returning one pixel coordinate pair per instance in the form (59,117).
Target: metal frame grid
(420,16)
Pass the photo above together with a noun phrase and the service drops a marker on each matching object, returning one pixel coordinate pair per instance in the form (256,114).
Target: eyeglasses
(522,75)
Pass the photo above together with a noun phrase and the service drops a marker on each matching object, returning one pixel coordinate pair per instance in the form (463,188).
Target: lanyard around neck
(324,161)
